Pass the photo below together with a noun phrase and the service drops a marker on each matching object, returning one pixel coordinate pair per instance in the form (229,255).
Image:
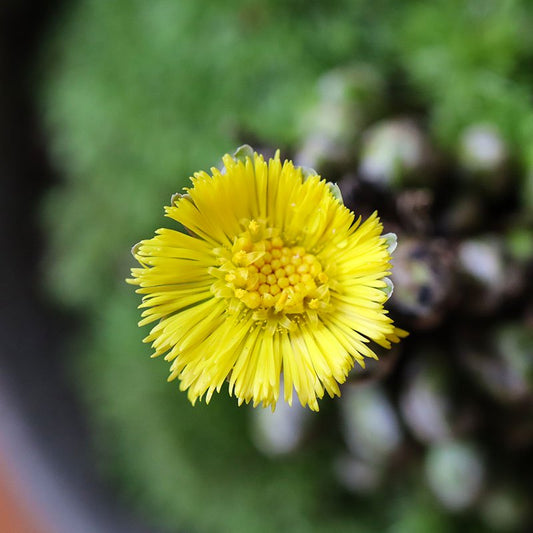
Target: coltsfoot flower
(275,279)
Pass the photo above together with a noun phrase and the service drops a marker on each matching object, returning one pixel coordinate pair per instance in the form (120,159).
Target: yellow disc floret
(264,273)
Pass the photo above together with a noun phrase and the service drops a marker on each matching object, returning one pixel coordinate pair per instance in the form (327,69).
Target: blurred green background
(420,109)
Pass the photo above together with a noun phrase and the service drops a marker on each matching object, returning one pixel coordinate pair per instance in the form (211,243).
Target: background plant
(397,102)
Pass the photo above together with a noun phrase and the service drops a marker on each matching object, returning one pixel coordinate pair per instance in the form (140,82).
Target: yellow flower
(274,278)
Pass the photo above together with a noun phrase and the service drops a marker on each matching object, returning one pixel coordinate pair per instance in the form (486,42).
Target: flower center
(265,273)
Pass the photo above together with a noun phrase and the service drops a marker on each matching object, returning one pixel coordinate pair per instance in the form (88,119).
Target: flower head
(275,277)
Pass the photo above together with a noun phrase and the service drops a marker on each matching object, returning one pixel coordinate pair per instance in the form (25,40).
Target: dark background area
(44,439)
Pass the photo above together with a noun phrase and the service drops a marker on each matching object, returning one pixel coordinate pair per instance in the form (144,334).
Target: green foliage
(138,95)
